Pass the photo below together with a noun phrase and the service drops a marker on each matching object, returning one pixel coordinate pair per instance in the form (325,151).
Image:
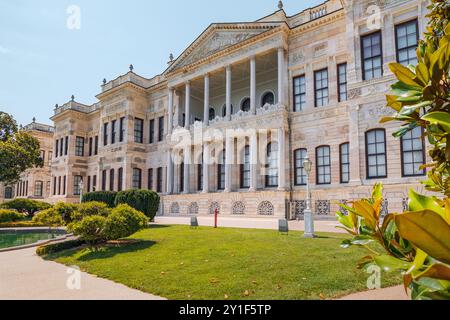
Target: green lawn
(177,262)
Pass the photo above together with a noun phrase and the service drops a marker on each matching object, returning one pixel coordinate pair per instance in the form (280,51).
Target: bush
(49,217)
(27,206)
(21,224)
(123,222)
(10,216)
(145,201)
(107,197)
(90,229)
(66,210)
(58,247)
(88,209)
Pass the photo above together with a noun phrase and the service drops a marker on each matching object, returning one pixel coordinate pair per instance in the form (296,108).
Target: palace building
(230,121)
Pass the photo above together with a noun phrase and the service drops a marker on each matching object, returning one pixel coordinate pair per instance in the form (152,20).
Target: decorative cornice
(318,22)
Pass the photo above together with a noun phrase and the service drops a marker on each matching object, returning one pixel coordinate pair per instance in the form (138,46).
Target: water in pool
(11,239)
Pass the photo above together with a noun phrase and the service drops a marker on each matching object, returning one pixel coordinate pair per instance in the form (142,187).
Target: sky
(46,55)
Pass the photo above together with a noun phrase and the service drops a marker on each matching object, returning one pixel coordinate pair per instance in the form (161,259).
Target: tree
(19,151)
(416,244)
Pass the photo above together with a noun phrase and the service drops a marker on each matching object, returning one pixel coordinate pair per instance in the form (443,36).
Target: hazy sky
(43,62)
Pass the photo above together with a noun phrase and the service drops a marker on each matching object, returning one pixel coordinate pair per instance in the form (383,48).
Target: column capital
(228,67)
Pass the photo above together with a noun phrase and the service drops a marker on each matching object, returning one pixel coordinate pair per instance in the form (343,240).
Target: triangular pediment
(217,38)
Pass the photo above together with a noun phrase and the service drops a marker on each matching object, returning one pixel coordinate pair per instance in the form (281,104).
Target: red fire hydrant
(216,215)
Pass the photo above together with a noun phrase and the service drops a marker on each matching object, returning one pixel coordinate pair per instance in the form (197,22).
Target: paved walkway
(25,276)
(252,223)
(394,293)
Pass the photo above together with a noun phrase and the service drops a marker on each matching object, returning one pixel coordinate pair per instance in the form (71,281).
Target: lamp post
(81,186)
(309,216)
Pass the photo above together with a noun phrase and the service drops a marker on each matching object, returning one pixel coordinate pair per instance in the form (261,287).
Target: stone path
(394,293)
(25,276)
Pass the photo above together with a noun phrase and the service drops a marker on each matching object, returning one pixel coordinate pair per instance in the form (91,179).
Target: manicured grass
(177,262)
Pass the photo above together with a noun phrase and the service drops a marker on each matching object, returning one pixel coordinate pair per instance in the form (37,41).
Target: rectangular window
(54,186)
(96,145)
(372,56)
(406,41)
(42,155)
(321,88)
(104,180)
(91,141)
(111,180)
(413,153)
(120,180)
(161,129)
(61,149)
(199,177)
(221,172)
(113,131)
(66,146)
(38,188)
(376,154)
(64,185)
(138,130)
(50,158)
(342,82)
(245,169)
(59,185)
(105,134)
(89,184)
(137,178)
(150,179)
(300,173)
(323,165)
(94,183)
(181,177)
(122,129)
(76,185)
(299,93)
(79,147)
(152,131)
(56,148)
(345,162)
(159,180)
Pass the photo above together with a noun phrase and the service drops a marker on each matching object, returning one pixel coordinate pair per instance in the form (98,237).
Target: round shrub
(7,216)
(123,222)
(27,206)
(90,229)
(88,209)
(145,201)
(107,197)
(49,217)
(66,211)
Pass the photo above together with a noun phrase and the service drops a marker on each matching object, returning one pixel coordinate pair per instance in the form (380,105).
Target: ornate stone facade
(224,126)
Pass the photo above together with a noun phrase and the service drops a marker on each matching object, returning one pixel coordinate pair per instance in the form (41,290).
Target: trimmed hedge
(21,224)
(7,216)
(145,201)
(49,217)
(107,197)
(58,247)
(28,206)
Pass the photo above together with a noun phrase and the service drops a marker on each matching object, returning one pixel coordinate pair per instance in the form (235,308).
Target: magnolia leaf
(419,202)
(408,110)
(447,211)
(387,119)
(365,210)
(377,192)
(422,74)
(447,29)
(403,90)
(404,74)
(393,103)
(436,271)
(418,261)
(362,240)
(427,231)
(390,264)
(441,118)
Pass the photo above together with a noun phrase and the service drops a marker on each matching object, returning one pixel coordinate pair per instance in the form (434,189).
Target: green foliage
(66,211)
(90,209)
(58,247)
(108,197)
(50,217)
(21,224)
(27,206)
(7,216)
(89,229)
(145,201)
(123,222)
(8,126)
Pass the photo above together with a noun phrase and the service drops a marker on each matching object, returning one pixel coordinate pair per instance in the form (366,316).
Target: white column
(281,72)
(253,162)
(228,162)
(253,85)
(228,92)
(206,106)
(281,160)
(187,166)
(169,179)
(187,106)
(170,110)
(206,155)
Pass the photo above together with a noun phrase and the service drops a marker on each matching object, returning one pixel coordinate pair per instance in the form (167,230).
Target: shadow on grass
(109,251)
(157,226)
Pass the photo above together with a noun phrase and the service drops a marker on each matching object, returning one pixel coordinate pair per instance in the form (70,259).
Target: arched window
(221,172)
(267,98)
(224,110)
(245,169)
(300,174)
(245,105)
(8,193)
(272,165)
(212,114)
(323,165)
(376,154)
(38,188)
(413,154)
